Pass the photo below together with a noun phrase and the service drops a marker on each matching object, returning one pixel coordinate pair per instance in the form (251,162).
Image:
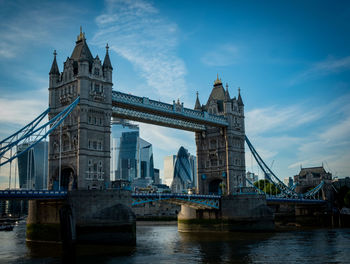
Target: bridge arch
(215,187)
(68,179)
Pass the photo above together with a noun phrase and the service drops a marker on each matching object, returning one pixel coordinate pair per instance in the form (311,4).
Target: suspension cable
(10,171)
(60,160)
(44,162)
(16,172)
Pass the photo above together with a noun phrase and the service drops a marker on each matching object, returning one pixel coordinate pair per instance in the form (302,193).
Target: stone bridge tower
(79,151)
(220,152)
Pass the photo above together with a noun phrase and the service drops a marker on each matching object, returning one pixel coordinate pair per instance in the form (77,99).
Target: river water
(162,243)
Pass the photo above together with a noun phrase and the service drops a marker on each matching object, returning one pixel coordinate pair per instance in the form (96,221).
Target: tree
(261,184)
(267,187)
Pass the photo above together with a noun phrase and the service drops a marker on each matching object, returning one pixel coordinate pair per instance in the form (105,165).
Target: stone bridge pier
(85,217)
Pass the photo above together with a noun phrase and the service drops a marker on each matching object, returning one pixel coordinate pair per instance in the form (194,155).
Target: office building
(131,156)
(33,166)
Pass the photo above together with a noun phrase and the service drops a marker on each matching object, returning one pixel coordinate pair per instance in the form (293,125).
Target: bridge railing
(175,195)
(31,194)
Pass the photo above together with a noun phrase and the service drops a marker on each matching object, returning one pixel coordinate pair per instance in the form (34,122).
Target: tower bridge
(81,104)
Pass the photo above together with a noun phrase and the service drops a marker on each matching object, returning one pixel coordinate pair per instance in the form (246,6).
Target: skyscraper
(183,173)
(188,166)
(169,162)
(33,166)
(132,156)
(146,159)
(124,150)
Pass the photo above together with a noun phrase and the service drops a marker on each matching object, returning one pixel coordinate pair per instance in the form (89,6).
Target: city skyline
(291,61)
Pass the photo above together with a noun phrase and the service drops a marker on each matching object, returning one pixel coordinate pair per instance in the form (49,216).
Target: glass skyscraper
(184,171)
(131,156)
(168,174)
(33,166)
(124,151)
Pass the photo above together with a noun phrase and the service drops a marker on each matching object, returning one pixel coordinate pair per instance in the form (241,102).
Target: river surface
(162,243)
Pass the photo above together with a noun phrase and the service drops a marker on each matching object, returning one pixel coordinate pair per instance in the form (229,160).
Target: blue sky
(290,58)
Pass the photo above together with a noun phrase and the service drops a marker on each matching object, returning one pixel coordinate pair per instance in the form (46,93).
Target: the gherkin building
(183,176)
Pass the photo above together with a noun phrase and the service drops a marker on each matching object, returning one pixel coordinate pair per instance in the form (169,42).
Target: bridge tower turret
(107,66)
(220,152)
(79,151)
(54,77)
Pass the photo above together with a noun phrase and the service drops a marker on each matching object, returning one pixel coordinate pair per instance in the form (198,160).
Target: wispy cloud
(329,145)
(327,142)
(28,24)
(222,55)
(328,66)
(340,131)
(137,31)
(272,118)
(20,111)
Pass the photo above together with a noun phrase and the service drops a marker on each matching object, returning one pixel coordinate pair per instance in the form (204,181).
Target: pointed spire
(239,100)
(217,81)
(54,66)
(107,62)
(81,36)
(197,105)
(227,94)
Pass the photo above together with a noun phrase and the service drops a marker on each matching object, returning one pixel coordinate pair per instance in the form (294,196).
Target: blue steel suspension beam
(280,185)
(53,123)
(26,130)
(267,171)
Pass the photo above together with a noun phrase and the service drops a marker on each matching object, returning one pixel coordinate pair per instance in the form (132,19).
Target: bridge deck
(196,200)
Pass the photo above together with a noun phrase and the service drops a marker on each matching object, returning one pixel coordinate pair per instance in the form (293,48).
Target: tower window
(97,88)
(97,71)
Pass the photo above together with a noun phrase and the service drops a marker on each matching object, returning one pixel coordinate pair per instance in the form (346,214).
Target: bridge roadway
(193,200)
